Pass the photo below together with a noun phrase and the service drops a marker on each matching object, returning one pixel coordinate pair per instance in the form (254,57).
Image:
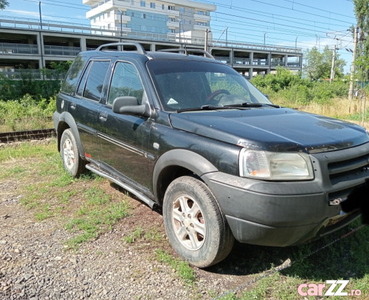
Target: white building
(176,20)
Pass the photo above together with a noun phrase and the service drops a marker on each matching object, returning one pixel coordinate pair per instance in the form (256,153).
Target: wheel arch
(66,121)
(176,163)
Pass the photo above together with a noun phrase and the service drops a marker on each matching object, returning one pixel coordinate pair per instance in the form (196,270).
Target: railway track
(39,134)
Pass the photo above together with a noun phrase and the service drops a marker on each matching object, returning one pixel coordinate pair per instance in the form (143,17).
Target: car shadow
(331,257)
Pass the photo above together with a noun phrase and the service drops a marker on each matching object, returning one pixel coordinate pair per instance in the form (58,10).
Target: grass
(53,193)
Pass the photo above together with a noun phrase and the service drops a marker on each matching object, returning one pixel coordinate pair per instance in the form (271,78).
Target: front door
(125,138)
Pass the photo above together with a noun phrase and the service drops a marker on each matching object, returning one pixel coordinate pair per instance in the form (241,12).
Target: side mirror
(129,105)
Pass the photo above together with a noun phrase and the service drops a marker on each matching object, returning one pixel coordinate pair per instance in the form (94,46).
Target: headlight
(275,166)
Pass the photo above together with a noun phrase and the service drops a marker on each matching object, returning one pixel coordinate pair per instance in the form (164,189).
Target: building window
(182,9)
(162,6)
(200,12)
(189,22)
(190,11)
(152,5)
(133,14)
(109,14)
(171,7)
(144,16)
(172,31)
(132,2)
(143,3)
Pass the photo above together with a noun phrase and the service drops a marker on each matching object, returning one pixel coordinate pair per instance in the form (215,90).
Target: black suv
(190,134)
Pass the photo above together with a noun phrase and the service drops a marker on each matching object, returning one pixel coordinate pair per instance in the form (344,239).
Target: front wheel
(195,226)
(72,161)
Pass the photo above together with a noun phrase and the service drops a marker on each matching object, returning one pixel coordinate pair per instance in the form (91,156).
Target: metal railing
(10,48)
(7,22)
(61,50)
(32,73)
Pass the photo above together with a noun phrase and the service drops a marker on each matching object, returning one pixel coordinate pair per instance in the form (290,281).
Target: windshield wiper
(230,106)
(251,104)
(203,107)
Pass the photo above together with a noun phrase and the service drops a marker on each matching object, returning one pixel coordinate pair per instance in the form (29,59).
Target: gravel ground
(35,263)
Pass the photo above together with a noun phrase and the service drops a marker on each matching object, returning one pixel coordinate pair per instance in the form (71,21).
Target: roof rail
(138,46)
(185,51)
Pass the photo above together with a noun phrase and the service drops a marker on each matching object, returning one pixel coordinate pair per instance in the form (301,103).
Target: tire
(196,228)
(72,162)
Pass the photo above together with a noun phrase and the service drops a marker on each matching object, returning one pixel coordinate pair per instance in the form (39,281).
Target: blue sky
(277,22)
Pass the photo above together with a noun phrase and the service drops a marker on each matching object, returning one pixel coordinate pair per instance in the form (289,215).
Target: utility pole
(39,10)
(206,39)
(351,89)
(333,64)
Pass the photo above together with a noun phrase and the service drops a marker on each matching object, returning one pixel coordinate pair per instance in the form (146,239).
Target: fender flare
(68,119)
(181,158)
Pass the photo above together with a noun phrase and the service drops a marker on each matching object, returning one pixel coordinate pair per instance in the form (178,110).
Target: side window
(95,80)
(125,82)
(71,80)
(82,83)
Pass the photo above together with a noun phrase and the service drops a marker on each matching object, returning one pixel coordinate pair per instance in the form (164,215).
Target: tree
(3,4)
(362,16)
(318,64)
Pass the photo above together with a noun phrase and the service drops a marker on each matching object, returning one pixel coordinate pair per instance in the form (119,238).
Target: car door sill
(143,198)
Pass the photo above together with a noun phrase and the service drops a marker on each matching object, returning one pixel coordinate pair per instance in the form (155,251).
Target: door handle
(73,106)
(103,117)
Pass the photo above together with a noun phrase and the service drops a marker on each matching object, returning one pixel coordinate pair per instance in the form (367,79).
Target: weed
(153,235)
(44,214)
(184,271)
(135,235)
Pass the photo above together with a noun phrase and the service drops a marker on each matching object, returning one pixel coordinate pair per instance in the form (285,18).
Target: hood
(272,129)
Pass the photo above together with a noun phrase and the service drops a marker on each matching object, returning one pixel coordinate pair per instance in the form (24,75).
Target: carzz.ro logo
(313,289)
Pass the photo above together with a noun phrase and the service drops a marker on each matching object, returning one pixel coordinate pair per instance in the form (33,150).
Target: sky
(291,23)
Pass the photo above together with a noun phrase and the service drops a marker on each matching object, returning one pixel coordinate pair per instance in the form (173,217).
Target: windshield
(185,85)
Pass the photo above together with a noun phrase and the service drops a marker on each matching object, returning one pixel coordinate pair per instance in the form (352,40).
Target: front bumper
(288,213)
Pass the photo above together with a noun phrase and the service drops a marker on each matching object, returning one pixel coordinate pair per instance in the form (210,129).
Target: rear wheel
(72,161)
(195,226)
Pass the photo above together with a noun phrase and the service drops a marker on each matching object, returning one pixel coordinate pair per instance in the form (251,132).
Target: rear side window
(71,80)
(95,80)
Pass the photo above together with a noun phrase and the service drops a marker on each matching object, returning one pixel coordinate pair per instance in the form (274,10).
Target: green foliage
(318,64)
(3,4)
(29,83)
(182,267)
(298,90)
(26,113)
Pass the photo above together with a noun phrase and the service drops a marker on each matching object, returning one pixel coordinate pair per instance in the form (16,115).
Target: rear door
(86,105)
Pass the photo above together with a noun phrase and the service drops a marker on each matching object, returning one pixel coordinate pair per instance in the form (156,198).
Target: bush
(26,113)
(288,89)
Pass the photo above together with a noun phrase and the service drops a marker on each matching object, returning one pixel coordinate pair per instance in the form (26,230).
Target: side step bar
(142,197)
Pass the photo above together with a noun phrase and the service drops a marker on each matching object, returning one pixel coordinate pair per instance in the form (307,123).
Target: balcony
(201,18)
(172,24)
(99,9)
(201,27)
(10,48)
(172,13)
(125,19)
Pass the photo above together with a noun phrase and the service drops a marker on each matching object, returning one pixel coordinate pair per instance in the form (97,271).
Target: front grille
(349,169)
(343,170)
